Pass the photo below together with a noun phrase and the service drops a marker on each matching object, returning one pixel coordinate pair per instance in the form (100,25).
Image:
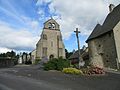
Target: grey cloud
(85,13)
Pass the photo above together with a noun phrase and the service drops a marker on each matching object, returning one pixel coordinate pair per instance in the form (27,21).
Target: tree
(68,54)
(11,54)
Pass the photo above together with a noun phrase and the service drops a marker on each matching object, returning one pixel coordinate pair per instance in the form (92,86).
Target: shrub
(56,64)
(28,62)
(37,61)
(50,65)
(72,71)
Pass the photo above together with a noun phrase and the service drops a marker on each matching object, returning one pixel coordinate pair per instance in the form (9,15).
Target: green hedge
(56,64)
(37,61)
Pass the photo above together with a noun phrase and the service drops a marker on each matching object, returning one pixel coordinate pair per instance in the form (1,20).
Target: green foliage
(11,54)
(68,54)
(56,64)
(37,61)
(72,71)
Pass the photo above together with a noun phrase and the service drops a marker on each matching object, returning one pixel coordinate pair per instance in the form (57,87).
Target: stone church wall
(116,31)
(51,44)
(102,51)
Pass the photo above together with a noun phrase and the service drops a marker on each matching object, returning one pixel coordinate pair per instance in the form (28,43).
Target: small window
(49,25)
(51,44)
(99,45)
(44,51)
(44,36)
(107,61)
(53,25)
(60,51)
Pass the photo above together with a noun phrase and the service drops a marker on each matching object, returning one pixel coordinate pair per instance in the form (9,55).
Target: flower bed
(72,71)
(93,71)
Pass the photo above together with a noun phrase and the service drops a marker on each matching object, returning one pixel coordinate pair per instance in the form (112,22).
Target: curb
(114,72)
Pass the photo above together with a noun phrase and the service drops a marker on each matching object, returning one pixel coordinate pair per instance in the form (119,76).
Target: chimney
(111,7)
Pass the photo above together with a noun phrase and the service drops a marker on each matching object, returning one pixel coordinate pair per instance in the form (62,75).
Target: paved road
(33,78)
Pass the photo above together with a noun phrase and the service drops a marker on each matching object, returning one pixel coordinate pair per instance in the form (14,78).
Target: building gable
(110,22)
(51,24)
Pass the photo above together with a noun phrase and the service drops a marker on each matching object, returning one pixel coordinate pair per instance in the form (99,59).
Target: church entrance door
(51,56)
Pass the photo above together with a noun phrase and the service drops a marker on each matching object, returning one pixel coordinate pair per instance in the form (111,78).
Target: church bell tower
(50,44)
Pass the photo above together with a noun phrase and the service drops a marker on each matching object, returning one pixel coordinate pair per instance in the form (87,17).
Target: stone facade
(117,39)
(50,44)
(33,56)
(102,51)
(104,42)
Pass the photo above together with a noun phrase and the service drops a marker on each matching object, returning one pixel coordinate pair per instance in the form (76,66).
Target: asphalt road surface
(34,78)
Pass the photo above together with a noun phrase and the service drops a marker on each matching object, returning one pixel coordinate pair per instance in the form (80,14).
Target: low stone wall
(6,63)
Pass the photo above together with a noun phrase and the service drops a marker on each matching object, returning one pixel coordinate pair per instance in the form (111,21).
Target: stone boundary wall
(6,63)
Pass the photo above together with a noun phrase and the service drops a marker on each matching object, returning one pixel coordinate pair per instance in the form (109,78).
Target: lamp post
(79,53)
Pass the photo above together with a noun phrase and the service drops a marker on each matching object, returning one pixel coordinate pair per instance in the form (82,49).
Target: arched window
(53,26)
(50,26)
(44,36)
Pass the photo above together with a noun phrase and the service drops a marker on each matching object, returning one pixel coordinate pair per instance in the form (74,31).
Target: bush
(72,71)
(56,64)
(28,62)
(37,61)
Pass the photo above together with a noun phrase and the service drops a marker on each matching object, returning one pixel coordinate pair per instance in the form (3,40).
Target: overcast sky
(21,21)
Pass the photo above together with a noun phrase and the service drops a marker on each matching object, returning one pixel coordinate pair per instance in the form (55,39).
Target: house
(84,53)
(33,56)
(104,41)
(50,44)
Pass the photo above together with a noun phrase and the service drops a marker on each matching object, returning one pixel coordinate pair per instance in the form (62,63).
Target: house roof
(110,22)
(95,33)
(75,55)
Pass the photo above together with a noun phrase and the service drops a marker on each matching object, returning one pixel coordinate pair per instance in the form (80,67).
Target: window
(99,45)
(44,36)
(49,25)
(51,44)
(44,51)
(53,25)
(60,51)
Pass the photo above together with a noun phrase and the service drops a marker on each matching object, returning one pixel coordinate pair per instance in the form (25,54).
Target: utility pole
(79,53)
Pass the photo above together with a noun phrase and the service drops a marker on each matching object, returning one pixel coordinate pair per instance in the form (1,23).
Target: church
(50,44)
(104,41)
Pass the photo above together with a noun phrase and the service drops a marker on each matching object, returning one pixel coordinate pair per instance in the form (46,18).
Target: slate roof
(75,55)
(110,22)
(95,33)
